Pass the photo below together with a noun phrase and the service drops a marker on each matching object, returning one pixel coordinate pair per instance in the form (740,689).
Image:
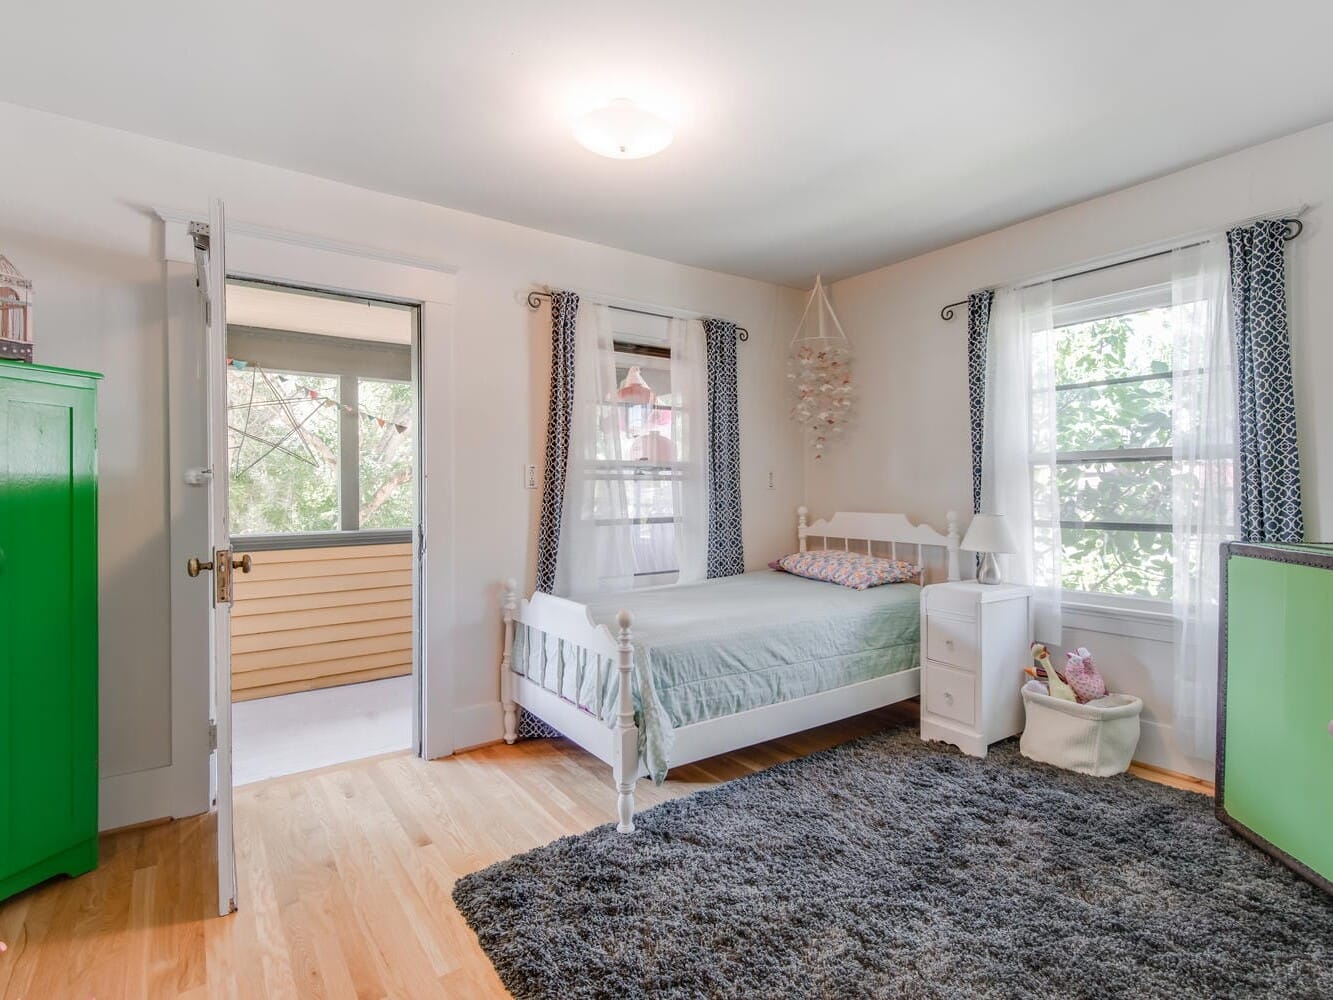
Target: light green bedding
(729,645)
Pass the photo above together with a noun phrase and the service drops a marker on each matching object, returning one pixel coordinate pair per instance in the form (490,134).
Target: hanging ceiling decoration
(819,368)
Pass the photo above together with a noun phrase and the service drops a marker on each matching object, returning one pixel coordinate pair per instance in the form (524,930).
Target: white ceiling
(829,137)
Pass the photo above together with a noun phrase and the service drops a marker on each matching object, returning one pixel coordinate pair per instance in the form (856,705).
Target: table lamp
(988,534)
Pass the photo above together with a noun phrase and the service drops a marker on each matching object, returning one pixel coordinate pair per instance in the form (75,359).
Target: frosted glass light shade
(623,131)
(988,533)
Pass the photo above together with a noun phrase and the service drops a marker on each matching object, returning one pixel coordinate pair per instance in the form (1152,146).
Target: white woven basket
(1097,738)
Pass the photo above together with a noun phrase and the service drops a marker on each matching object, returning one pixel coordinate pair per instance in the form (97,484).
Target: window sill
(320,540)
(1152,620)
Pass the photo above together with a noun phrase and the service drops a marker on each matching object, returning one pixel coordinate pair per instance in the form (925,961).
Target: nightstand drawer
(957,599)
(952,640)
(949,693)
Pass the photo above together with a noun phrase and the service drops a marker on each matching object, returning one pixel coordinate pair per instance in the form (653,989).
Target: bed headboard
(891,530)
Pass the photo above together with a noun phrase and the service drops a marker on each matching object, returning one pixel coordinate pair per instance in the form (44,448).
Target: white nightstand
(975,642)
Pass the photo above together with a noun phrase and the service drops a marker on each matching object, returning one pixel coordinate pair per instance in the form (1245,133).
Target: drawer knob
(948,643)
(948,697)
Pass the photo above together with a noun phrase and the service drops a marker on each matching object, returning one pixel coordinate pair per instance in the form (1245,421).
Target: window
(320,425)
(384,472)
(284,449)
(636,503)
(1114,378)
(637,465)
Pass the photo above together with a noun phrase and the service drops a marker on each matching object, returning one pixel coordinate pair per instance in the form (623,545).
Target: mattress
(725,646)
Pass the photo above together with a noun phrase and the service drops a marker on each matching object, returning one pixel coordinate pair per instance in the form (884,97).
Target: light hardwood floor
(345,875)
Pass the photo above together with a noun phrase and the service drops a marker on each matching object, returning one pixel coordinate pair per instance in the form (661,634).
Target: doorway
(323,466)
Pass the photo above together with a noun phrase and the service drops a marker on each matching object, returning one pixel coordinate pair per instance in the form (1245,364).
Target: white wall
(909,448)
(75,217)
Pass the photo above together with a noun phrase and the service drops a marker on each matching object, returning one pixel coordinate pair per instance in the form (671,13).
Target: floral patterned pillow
(849,569)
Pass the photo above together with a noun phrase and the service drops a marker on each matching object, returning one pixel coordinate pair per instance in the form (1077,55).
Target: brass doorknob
(194,567)
(243,564)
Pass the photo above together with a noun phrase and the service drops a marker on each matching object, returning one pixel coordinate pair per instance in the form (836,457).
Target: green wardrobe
(1275,707)
(48,624)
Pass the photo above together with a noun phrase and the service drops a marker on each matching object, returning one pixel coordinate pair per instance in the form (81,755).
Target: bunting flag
(288,383)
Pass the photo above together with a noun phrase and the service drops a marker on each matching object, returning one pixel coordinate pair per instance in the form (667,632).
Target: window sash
(1117,380)
(1117,526)
(1112,456)
(617,522)
(1108,455)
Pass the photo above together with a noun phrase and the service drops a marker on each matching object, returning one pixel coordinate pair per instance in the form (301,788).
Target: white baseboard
(1158,747)
(478,724)
(144,796)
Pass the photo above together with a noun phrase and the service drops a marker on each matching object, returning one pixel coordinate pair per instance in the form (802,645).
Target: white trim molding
(1110,619)
(181,786)
(177,221)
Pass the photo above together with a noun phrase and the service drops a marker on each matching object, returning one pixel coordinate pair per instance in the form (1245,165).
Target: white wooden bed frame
(618,745)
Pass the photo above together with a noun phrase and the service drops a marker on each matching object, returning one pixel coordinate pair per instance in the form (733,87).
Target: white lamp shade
(623,131)
(988,533)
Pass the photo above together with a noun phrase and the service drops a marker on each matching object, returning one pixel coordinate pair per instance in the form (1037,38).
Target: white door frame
(182,788)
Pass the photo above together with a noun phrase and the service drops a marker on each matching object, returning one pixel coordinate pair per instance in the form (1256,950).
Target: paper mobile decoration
(819,368)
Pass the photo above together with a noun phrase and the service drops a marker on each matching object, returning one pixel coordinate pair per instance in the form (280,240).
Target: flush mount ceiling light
(623,131)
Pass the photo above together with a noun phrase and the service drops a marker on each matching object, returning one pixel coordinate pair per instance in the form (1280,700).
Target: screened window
(321,434)
(1114,444)
(637,466)
(384,472)
(285,446)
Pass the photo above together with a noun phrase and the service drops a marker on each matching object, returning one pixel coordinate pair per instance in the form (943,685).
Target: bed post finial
(508,605)
(951,519)
(802,525)
(626,746)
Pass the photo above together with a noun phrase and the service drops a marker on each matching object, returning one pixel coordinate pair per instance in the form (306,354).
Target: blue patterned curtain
(1269,493)
(726,555)
(978,333)
(559,416)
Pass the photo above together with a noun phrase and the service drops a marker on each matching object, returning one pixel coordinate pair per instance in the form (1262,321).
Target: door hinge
(212,735)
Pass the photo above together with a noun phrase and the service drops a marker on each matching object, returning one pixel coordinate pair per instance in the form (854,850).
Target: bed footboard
(548,697)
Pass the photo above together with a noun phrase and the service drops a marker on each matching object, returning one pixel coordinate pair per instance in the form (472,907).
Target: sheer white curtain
(595,553)
(1018,469)
(689,435)
(610,493)
(1203,498)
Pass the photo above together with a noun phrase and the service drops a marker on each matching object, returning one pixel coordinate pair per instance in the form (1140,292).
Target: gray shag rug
(892,868)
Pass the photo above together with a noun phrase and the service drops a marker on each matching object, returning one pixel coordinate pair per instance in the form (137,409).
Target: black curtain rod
(535,302)
(1294,228)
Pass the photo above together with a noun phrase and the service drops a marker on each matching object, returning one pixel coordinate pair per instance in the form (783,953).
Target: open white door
(214,565)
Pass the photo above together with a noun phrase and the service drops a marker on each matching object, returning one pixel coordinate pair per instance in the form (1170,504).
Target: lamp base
(989,570)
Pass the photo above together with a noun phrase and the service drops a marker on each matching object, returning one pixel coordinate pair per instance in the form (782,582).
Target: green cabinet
(1275,722)
(48,624)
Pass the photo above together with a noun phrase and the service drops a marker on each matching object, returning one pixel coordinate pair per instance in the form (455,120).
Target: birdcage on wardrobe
(819,368)
(15,313)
